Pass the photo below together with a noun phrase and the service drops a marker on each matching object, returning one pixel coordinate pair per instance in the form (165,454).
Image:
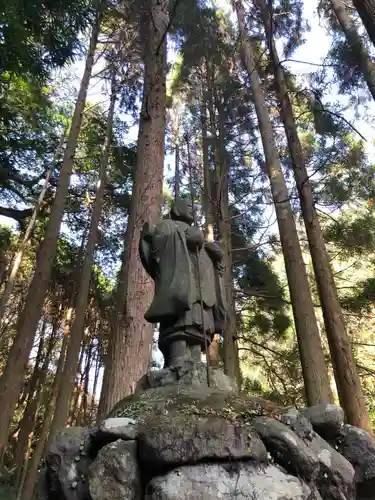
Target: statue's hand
(214,250)
(194,238)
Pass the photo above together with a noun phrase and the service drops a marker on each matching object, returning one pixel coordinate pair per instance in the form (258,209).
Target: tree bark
(28,233)
(231,360)
(12,378)
(175,119)
(130,340)
(213,350)
(366,11)
(346,376)
(207,196)
(28,485)
(32,407)
(365,63)
(314,369)
(77,330)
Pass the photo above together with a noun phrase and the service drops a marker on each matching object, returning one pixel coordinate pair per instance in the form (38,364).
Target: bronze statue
(168,253)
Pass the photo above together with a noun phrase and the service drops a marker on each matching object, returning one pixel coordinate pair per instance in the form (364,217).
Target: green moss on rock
(193,402)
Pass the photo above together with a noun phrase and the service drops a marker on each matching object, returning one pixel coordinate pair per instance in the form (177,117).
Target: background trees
(188,98)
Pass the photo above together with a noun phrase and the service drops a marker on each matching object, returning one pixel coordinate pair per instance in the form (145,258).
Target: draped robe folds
(167,254)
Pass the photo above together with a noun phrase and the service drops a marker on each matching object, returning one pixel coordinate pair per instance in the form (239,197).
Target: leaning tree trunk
(130,340)
(365,63)
(366,11)
(313,363)
(16,263)
(77,331)
(13,375)
(346,376)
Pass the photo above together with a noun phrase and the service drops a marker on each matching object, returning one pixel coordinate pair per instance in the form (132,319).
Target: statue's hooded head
(182,210)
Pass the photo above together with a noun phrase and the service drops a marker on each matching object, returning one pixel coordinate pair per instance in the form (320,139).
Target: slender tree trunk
(231,360)
(213,350)
(314,369)
(347,380)
(130,340)
(28,233)
(50,400)
(176,140)
(32,384)
(94,388)
(12,377)
(365,63)
(77,330)
(3,265)
(83,420)
(207,195)
(366,11)
(77,387)
(31,411)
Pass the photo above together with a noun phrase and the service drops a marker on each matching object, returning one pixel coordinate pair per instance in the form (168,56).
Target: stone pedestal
(176,438)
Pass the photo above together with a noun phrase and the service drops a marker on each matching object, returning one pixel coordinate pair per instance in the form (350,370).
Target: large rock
(327,419)
(67,462)
(298,423)
(236,481)
(114,474)
(286,448)
(219,443)
(113,429)
(171,440)
(336,474)
(357,446)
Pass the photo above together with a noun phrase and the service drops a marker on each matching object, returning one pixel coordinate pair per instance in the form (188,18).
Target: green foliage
(353,232)
(38,35)
(30,127)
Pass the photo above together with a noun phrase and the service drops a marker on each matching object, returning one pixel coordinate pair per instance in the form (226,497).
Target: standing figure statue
(171,252)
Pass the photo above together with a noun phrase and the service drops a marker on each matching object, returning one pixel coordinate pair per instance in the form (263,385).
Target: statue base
(178,438)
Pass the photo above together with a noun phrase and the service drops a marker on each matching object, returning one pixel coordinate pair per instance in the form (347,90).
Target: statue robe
(168,254)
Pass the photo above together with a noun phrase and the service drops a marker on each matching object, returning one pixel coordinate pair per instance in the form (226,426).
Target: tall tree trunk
(13,375)
(231,360)
(314,369)
(365,63)
(207,181)
(213,350)
(32,384)
(346,376)
(31,411)
(77,330)
(16,263)
(77,388)
(83,420)
(130,340)
(366,10)
(175,119)
(29,481)
(94,388)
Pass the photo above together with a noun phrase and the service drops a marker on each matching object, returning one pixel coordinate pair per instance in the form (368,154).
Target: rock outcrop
(176,438)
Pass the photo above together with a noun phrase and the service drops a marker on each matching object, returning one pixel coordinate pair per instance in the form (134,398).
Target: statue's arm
(194,238)
(215,251)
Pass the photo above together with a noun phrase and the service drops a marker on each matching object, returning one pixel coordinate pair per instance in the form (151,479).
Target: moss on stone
(193,402)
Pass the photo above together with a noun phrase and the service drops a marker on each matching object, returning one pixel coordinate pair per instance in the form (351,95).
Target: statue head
(182,210)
